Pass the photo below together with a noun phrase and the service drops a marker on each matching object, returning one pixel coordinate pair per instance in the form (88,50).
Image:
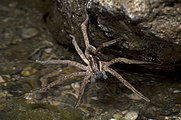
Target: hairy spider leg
(86,39)
(79,51)
(106,44)
(63,78)
(126,61)
(82,88)
(127,84)
(89,48)
(69,62)
(81,54)
(84,31)
(44,78)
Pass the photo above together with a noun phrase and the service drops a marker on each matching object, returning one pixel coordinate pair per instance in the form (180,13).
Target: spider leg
(82,88)
(69,62)
(79,51)
(44,78)
(89,48)
(93,50)
(126,61)
(84,31)
(127,84)
(106,44)
(62,79)
(59,81)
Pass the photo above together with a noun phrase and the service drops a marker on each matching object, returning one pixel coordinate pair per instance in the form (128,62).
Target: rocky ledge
(148,30)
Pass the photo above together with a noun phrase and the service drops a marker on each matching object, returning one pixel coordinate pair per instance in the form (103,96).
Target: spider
(95,68)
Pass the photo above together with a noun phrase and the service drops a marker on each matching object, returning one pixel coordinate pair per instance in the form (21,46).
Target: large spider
(95,69)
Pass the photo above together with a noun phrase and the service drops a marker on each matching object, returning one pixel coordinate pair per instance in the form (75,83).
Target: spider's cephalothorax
(95,69)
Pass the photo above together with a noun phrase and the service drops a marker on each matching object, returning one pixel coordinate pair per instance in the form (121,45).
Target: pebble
(117,116)
(28,71)
(5,94)
(94,98)
(75,85)
(16,40)
(176,91)
(1,79)
(55,103)
(28,96)
(67,87)
(134,97)
(131,115)
(56,92)
(29,33)
(13,4)
(48,50)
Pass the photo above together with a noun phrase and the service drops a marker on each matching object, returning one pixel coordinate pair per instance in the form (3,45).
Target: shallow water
(24,38)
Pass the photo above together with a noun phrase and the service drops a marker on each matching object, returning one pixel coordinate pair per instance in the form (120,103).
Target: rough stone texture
(150,30)
(64,18)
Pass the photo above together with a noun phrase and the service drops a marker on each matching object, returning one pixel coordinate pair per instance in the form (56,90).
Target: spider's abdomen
(99,75)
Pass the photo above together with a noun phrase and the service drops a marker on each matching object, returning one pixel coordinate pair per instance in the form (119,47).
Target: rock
(28,71)
(64,24)
(76,86)
(29,33)
(132,115)
(48,50)
(16,40)
(117,116)
(176,91)
(148,30)
(1,79)
(134,97)
(4,94)
(55,103)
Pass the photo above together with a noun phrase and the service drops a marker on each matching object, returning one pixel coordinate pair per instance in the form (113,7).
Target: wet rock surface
(148,30)
(24,38)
